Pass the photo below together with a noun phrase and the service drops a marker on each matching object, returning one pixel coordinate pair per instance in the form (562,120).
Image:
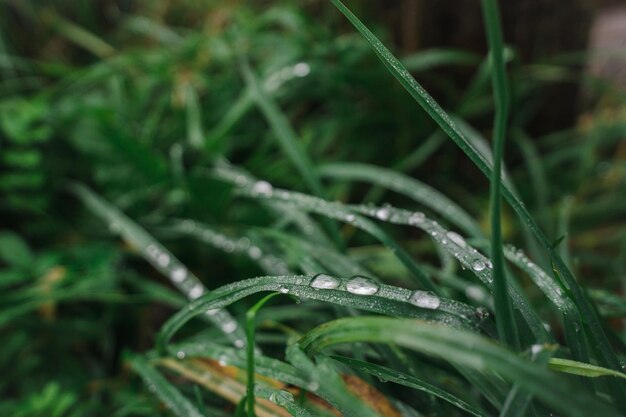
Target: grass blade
(410,187)
(410,381)
(461,348)
(504,314)
(160,258)
(174,400)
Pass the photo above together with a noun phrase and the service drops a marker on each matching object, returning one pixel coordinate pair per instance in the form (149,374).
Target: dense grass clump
(251,217)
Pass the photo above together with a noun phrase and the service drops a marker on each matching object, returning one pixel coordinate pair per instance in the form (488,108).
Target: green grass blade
(159,257)
(417,190)
(166,392)
(397,301)
(387,374)
(504,314)
(461,348)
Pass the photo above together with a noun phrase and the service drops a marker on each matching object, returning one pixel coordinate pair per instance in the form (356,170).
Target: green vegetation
(211,209)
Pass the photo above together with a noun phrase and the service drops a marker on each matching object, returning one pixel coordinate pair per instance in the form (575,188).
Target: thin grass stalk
(505,321)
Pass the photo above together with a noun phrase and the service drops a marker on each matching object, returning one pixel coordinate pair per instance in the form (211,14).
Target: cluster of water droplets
(545,283)
(242,246)
(451,241)
(193,289)
(361,285)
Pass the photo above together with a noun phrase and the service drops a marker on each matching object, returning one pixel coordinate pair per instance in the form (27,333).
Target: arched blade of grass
(288,141)
(418,191)
(593,326)
(160,258)
(393,375)
(462,348)
(170,396)
(263,190)
(504,314)
(383,299)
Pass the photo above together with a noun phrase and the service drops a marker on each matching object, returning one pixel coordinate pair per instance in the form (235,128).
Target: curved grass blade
(461,348)
(387,374)
(399,302)
(410,187)
(264,190)
(593,327)
(160,258)
(174,400)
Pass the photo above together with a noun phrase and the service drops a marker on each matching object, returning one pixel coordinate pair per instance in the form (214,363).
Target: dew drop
(196,291)
(163,259)
(416,218)
(301,69)
(241,180)
(488,264)
(456,238)
(255,252)
(229,326)
(262,188)
(478,265)
(179,274)
(362,286)
(239,343)
(283,290)
(180,354)
(324,282)
(281,397)
(115,227)
(535,349)
(313,386)
(425,299)
(382,213)
(350,218)
(475,292)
